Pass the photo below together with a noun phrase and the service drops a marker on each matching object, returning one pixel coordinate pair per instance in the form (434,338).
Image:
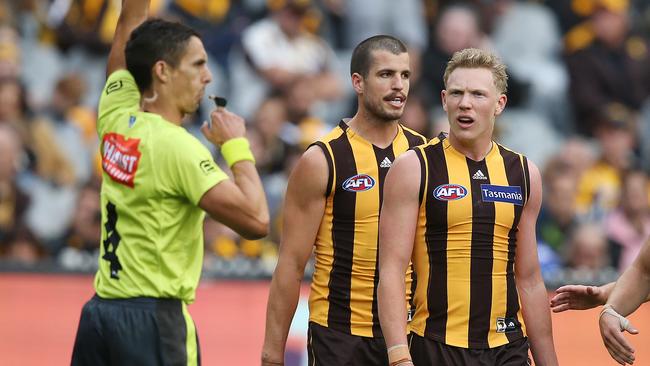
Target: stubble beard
(380,114)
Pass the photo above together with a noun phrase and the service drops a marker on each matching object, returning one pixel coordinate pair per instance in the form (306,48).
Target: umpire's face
(384,91)
(191,76)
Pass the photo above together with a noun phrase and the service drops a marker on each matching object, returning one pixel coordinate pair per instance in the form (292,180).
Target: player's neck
(378,133)
(476,150)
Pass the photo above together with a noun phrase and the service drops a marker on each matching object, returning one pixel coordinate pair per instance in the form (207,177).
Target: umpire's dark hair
(362,54)
(152,41)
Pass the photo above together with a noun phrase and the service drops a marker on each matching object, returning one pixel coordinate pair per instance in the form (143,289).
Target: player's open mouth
(396,101)
(465,121)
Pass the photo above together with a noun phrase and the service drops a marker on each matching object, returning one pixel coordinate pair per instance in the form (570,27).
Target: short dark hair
(362,54)
(152,41)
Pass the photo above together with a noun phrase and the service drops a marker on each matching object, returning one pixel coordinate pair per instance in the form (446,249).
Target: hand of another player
(617,346)
(225,126)
(577,297)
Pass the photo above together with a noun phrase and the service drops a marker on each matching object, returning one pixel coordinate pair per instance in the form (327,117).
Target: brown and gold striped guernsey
(344,286)
(465,246)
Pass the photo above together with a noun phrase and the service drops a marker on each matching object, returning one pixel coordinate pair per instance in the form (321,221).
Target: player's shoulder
(408,159)
(530,169)
(314,159)
(412,134)
(118,80)
(432,143)
(120,74)
(333,134)
(120,95)
(507,150)
(311,172)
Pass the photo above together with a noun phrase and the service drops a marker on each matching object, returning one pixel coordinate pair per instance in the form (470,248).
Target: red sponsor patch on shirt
(120,158)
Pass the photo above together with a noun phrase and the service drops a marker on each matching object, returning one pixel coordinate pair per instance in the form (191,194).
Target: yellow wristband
(236,150)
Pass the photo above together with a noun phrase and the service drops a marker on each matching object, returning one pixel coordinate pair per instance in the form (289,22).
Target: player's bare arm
(630,291)
(530,285)
(240,203)
(397,224)
(633,287)
(581,297)
(134,12)
(303,211)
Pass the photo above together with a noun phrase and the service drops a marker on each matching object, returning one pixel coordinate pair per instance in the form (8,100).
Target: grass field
(39,315)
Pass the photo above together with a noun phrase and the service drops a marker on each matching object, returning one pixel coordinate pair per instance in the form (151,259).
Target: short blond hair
(474,58)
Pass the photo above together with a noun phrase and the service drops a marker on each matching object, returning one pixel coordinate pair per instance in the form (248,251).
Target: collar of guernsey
(154,175)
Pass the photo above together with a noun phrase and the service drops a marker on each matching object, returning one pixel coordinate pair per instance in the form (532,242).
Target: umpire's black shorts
(137,331)
(426,351)
(328,347)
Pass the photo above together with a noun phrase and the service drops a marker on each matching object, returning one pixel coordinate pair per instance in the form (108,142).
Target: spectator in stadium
(416,115)
(527,37)
(82,31)
(82,238)
(587,249)
(49,175)
(156,179)
(558,215)
(614,68)
(70,121)
(578,153)
(619,299)
(456,28)
(17,243)
(279,53)
(89,24)
(364,18)
(270,120)
(45,157)
(332,208)
(628,226)
(361,19)
(458,207)
(219,22)
(600,185)
(10,52)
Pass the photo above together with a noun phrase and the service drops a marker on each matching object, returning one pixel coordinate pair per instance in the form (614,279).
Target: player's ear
(443,99)
(161,70)
(357,83)
(501,104)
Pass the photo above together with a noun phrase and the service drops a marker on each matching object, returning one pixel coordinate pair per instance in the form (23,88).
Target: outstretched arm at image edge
(580,297)
(633,287)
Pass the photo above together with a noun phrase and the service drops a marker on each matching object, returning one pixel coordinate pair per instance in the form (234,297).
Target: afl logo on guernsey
(358,183)
(449,192)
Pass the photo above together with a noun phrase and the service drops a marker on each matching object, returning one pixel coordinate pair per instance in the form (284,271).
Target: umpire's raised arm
(133,13)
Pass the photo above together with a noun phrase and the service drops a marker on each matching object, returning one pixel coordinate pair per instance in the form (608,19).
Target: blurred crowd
(577,105)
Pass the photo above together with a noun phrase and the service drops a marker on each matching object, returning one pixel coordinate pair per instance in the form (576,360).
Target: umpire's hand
(224,126)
